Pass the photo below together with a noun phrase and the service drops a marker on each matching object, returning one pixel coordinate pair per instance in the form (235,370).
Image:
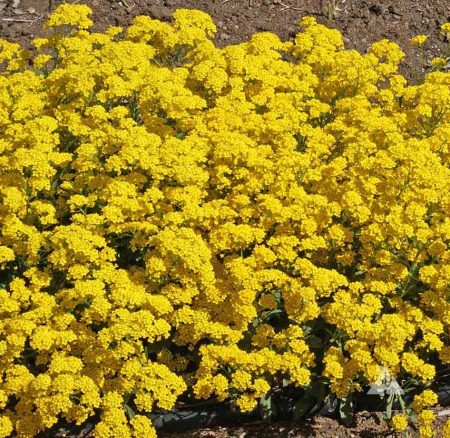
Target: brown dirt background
(361,23)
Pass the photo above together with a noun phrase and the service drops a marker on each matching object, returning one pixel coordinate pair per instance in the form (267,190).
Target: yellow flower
(41,60)
(399,422)
(426,399)
(445,29)
(72,15)
(439,62)
(419,40)
(427,416)
(182,218)
(446,429)
(246,402)
(6,426)
(142,427)
(6,254)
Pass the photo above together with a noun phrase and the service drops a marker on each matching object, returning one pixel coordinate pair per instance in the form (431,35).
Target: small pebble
(31,10)
(162,13)
(15,3)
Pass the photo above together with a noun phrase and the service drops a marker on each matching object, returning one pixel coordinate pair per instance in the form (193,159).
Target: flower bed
(182,222)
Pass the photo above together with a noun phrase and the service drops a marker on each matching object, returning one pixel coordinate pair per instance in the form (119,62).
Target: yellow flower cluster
(419,40)
(177,215)
(399,422)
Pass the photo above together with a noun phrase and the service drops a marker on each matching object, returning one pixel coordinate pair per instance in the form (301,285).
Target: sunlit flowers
(183,220)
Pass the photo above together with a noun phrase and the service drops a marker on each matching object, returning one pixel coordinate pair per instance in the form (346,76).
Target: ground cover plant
(184,222)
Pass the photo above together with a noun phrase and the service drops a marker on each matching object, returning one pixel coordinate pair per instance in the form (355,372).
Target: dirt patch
(360,21)
(365,425)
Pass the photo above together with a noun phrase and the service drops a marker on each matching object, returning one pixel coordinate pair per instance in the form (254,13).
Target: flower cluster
(177,215)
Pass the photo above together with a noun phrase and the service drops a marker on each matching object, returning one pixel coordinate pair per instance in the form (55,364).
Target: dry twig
(286,7)
(22,20)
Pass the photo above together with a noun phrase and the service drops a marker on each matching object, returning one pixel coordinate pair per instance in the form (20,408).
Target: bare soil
(365,425)
(360,21)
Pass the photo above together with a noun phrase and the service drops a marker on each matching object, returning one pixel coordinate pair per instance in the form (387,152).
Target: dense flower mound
(180,221)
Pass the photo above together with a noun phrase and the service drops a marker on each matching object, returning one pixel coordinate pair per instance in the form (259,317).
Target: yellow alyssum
(399,422)
(179,218)
(419,40)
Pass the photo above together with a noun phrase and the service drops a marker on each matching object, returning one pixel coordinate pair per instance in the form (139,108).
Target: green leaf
(302,407)
(272,312)
(318,391)
(314,341)
(390,402)
(129,412)
(267,407)
(346,409)
(330,404)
